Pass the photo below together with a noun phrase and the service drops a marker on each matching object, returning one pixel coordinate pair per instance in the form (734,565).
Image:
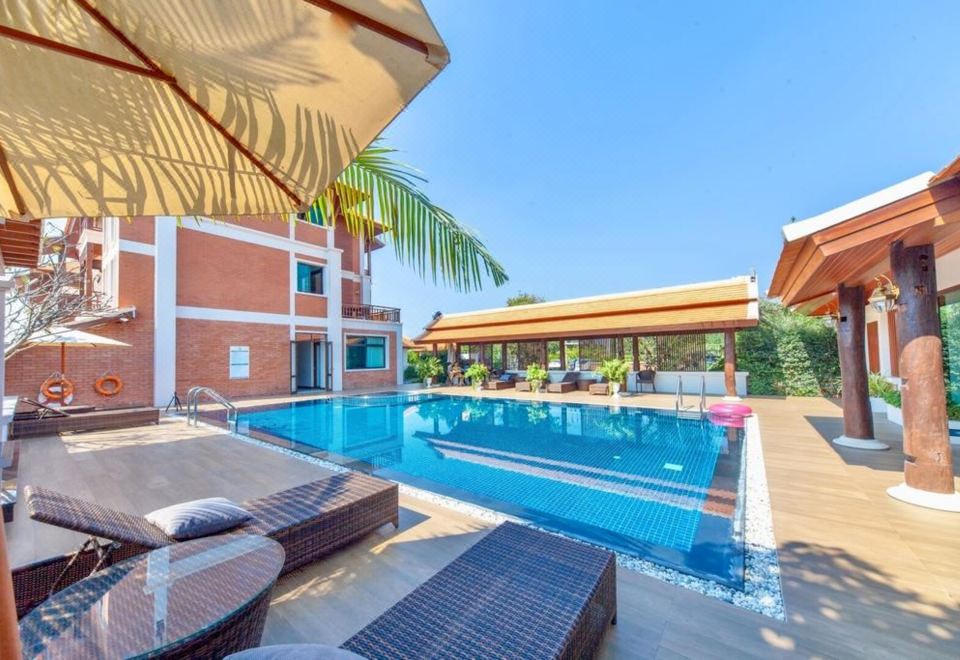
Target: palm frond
(375,188)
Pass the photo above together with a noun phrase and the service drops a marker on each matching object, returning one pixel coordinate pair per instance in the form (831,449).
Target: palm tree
(377,190)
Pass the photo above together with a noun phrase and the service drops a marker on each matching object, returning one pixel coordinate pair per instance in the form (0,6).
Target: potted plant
(477,373)
(536,376)
(615,371)
(428,368)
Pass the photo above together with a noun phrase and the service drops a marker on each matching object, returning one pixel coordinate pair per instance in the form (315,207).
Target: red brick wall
(139,228)
(308,233)
(381,377)
(27,370)
(343,239)
(352,294)
(226,274)
(310,305)
(203,357)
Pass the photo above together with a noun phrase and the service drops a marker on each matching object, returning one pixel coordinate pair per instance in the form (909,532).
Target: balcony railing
(372,313)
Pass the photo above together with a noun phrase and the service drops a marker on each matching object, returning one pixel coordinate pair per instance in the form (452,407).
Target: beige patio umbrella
(206,107)
(194,107)
(63,337)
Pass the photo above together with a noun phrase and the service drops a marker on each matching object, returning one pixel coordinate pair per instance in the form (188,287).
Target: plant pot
(478,385)
(427,382)
(535,386)
(615,389)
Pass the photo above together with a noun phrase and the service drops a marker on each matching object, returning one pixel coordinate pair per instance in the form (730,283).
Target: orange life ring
(57,389)
(116,385)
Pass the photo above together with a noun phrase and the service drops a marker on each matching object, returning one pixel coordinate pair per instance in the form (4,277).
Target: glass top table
(162,602)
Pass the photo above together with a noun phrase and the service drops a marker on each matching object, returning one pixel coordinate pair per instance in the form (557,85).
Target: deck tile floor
(863,575)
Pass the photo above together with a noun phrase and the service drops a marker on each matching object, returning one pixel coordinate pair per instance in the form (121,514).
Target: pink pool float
(729,414)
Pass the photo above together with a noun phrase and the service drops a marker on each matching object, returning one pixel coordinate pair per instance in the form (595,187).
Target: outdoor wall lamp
(884,296)
(832,319)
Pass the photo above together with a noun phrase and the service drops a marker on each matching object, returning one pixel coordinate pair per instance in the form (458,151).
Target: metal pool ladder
(691,411)
(193,405)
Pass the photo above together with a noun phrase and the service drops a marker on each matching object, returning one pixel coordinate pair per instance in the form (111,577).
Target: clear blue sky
(600,147)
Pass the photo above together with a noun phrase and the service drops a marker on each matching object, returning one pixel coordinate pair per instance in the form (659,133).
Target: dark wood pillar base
(851,332)
(928,463)
(730,363)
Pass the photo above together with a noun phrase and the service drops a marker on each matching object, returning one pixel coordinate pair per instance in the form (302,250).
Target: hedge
(789,354)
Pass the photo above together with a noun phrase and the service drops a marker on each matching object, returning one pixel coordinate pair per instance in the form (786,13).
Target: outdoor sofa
(502,382)
(309,521)
(600,387)
(523,385)
(566,384)
(517,593)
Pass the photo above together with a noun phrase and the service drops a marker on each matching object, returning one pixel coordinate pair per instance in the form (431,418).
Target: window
(309,278)
(366,352)
(239,362)
(314,216)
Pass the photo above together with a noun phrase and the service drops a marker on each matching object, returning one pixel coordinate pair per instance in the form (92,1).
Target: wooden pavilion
(883,251)
(607,326)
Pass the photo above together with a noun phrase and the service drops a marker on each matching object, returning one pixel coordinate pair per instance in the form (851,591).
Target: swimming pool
(639,481)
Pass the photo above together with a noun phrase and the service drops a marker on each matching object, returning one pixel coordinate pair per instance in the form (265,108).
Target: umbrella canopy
(183,107)
(69,337)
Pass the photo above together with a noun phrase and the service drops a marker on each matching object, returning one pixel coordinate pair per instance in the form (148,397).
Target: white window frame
(386,351)
(324,278)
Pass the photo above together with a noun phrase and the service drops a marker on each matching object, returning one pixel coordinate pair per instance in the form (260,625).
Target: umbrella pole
(9,632)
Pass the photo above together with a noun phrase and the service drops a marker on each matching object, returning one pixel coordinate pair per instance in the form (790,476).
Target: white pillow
(190,520)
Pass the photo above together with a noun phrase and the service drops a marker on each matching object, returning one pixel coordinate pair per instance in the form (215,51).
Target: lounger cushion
(295,652)
(506,378)
(190,520)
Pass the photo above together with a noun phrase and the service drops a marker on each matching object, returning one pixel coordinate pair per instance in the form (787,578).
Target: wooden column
(928,463)
(730,362)
(636,352)
(851,335)
(563,354)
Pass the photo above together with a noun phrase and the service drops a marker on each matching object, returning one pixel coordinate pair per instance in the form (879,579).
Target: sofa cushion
(190,520)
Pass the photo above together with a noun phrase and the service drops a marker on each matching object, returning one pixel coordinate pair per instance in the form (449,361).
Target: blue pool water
(635,480)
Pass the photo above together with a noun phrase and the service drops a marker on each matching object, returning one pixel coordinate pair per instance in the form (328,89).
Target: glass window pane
(572,350)
(309,278)
(553,355)
(366,352)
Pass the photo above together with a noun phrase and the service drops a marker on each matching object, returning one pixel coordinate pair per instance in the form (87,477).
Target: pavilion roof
(850,244)
(704,307)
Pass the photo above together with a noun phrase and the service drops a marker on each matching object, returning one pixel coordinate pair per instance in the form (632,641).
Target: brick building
(247,306)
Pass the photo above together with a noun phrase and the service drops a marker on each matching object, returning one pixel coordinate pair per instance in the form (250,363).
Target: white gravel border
(762,592)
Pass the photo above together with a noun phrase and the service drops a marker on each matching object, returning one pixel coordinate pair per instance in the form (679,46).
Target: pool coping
(762,593)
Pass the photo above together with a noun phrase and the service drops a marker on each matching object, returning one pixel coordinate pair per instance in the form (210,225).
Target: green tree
(376,189)
(523,298)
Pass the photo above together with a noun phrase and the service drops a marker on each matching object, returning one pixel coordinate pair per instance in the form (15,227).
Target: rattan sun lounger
(567,384)
(309,521)
(504,382)
(518,593)
(26,425)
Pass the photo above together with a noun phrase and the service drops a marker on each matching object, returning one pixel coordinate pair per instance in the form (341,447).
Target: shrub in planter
(410,374)
(428,368)
(615,371)
(879,386)
(537,376)
(477,373)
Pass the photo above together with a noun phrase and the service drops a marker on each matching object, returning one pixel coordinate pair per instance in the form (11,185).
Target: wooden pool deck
(863,575)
